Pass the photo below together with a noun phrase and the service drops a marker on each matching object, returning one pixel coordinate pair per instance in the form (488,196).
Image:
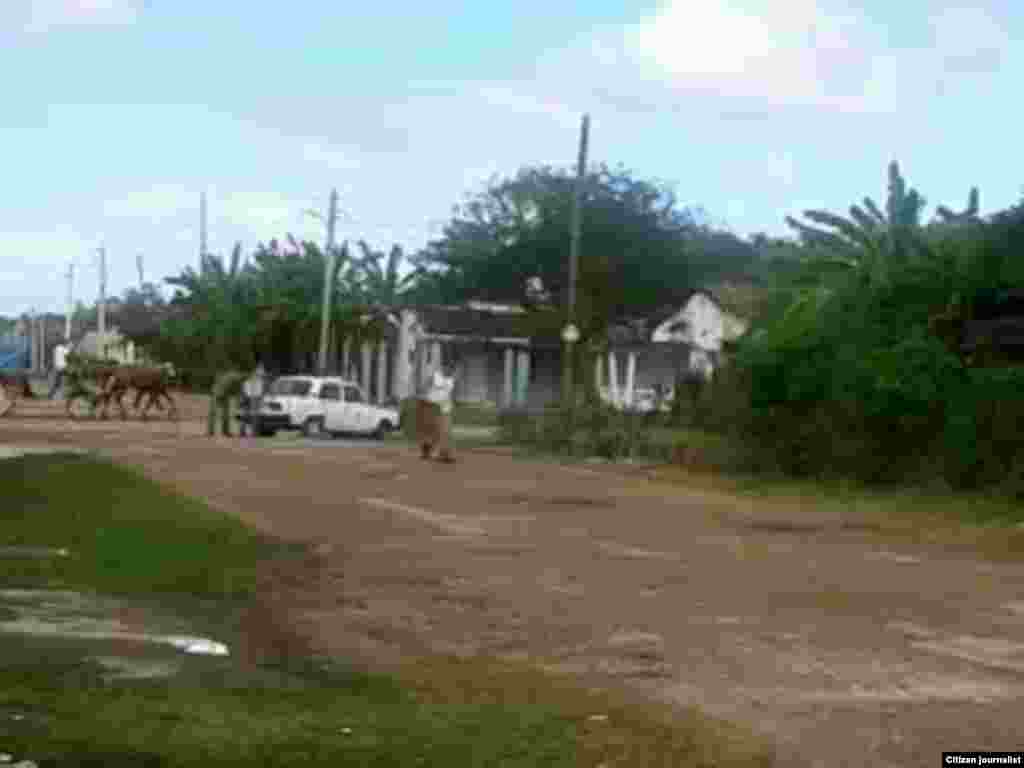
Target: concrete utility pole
(571,334)
(101,310)
(70,275)
(325,319)
(202,228)
(138,266)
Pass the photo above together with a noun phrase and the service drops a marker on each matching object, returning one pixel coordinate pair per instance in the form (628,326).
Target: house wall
(471,385)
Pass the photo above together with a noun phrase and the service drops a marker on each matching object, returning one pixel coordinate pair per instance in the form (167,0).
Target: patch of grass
(446,713)
(476,415)
(125,533)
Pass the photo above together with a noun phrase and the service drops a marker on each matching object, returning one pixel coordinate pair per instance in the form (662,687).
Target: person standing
(434,415)
(253,390)
(227,389)
(60,364)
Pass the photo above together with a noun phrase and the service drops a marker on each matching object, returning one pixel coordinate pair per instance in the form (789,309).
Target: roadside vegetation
(128,536)
(863,363)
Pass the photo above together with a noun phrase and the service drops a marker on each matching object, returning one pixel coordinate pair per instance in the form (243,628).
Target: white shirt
(253,386)
(440,391)
(60,357)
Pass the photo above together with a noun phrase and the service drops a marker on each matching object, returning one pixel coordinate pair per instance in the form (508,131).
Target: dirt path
(846,648)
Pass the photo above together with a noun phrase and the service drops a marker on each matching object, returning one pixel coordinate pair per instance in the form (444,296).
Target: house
(506,356)
(646,355)
(110,345)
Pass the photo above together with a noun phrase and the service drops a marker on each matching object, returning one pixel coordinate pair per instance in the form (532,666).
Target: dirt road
(848,649)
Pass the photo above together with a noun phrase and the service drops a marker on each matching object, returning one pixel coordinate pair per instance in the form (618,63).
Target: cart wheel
(9,397)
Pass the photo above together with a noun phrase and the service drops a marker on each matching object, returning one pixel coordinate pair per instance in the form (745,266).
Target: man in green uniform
(227,389)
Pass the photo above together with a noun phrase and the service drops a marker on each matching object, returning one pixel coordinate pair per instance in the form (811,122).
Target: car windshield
(293,387)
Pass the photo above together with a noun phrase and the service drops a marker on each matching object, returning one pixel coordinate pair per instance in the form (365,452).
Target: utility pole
(138,266)
(202,228)
(70,275)
(570,335)
(101,310)
(325,319)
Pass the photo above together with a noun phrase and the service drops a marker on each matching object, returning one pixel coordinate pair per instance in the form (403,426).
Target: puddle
(74,616)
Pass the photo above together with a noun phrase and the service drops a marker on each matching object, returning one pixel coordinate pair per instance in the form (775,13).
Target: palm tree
(215,330)
(872,242)
(379,281)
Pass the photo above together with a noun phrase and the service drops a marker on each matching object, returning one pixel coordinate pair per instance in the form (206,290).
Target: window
(353,395)
(330,392)
(291,387)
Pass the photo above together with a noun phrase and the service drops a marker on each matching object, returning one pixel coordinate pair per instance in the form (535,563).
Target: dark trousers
(58,382)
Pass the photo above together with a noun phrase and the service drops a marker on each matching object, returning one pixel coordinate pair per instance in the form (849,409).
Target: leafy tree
(858,366)
(639,251)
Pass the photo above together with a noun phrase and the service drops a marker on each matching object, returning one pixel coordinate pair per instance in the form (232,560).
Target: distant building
(508,356)
(110,345)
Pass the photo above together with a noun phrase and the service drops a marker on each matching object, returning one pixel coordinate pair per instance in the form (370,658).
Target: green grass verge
(131,536)
(124,533)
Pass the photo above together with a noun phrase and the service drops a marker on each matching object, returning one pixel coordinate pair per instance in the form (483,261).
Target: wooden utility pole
(330,260)
(571,334)
(70,275)
(101,310)
(202,228)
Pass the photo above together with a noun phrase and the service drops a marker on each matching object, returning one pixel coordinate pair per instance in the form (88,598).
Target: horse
(152,382)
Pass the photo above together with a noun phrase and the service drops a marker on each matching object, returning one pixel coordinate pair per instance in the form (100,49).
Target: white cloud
(764,59)
(47,14)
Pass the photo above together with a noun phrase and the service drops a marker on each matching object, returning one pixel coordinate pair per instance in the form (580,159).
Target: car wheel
(382,429)
(265,432)
(314,427)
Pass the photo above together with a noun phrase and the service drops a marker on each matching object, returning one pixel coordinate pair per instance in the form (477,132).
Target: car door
(333,406)
(355,409)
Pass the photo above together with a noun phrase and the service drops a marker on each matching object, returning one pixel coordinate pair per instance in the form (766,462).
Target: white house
(502,359)
(110,345)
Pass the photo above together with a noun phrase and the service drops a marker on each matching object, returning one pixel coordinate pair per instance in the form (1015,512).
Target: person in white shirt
(254,389)
(435,415)
(60,364)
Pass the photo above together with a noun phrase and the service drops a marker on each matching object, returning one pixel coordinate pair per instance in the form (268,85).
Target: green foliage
(638,250)
(856,367)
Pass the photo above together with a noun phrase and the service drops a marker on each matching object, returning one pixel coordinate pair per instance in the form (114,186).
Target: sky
(120,112)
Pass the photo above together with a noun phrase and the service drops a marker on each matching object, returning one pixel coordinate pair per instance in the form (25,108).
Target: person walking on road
(434,415)
(60,364)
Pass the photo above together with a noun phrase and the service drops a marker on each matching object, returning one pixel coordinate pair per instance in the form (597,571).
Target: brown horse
(152,382)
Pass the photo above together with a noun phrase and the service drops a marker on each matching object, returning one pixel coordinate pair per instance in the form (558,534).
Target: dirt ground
(843,646)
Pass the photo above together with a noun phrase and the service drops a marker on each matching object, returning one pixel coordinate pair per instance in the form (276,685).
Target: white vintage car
(321,405)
